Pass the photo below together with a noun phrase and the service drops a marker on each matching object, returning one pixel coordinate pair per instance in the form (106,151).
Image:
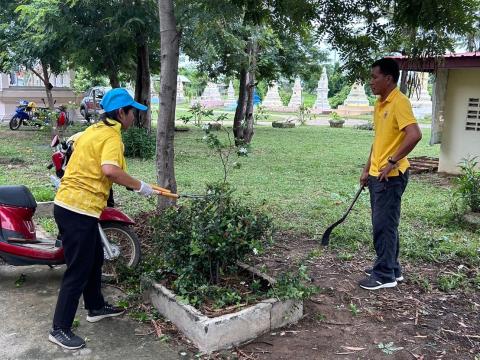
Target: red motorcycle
(19,244)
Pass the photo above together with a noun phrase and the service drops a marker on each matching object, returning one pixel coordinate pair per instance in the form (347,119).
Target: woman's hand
(145,189)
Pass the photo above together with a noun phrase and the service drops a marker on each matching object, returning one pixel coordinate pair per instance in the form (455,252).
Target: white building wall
(458,143)
(34,90)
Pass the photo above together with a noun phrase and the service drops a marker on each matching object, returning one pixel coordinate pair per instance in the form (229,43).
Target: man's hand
(385,171)
(364,178)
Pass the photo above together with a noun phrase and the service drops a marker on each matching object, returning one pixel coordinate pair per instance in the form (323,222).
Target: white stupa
(421,101)
(272,100)
(231,100)
(296,99)
(321,104)
(180,92)
(357,96)
(356,102)
(211,96)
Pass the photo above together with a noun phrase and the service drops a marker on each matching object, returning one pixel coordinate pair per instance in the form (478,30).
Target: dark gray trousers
(385,201)
(83,250)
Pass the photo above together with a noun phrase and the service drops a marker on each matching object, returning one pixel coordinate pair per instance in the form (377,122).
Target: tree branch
(36,73)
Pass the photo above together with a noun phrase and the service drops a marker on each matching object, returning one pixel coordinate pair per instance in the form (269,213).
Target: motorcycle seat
(17,195)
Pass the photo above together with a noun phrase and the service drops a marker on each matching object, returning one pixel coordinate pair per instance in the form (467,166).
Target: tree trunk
(403,82)
(47,84)
(114,81)
(404,87)
(169,52)
(142,84)
(241,107)
(248,132)
(248,124)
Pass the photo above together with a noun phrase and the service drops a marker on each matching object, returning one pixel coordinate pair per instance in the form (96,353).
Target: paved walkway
(324,122)
(26,314)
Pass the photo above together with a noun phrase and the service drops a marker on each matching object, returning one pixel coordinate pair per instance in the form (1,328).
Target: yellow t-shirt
(390,117)
(84,188)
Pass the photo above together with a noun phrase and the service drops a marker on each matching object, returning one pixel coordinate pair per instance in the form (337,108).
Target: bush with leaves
(305,114)
(468,184)
(205,238)
(340,97)
(224,148)
(139,143)
(198,113)
(260,114)
(293,285)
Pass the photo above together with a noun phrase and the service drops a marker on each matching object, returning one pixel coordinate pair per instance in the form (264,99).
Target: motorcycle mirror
(55,141)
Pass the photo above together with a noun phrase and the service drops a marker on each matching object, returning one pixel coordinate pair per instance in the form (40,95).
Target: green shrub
(468,184)
(138,143)
(452,281)
(340,97)
(205,238)
(293,285)
(198,113)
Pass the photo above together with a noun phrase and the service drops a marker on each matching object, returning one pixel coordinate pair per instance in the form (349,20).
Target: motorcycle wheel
(15,122)
(126,240)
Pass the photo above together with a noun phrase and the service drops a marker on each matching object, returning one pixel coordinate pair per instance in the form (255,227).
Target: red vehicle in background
(90,104)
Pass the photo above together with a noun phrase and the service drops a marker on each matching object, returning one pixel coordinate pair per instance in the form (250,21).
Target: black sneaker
(369,271)
(105,312)
(371,283)
(66,339)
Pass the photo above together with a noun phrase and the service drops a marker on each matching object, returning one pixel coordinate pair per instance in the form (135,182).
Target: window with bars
(472,122)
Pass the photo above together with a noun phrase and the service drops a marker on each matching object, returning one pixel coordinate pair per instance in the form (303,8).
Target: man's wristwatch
(391,161)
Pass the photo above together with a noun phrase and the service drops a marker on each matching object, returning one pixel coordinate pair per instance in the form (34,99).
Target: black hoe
(326,234)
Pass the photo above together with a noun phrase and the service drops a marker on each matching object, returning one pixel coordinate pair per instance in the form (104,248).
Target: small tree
(225,149)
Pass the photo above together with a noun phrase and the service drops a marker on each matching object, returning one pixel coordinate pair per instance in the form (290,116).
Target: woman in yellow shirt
(94,166)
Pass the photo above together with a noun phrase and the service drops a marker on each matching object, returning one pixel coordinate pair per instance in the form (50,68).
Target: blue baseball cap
(118,98)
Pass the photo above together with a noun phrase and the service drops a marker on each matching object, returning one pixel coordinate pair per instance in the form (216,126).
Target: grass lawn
(304,177)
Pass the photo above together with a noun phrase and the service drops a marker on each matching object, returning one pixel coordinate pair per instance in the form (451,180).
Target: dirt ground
(412,321)
(346,322)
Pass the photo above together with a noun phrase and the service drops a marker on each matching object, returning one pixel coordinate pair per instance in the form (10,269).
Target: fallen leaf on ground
(352,348)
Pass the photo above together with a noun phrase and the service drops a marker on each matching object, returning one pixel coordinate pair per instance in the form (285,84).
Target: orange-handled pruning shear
(164,192)
(168,193)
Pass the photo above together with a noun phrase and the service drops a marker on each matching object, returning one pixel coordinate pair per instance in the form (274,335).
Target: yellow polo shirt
(390,117)
(84,188)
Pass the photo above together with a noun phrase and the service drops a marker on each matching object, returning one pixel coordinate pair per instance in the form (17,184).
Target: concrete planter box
(283,125)
(181,128)
(226,331)
(472,219)
(215,126)
(336,123)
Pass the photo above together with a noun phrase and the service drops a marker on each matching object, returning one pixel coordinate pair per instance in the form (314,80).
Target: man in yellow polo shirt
(386,171)
(95,164)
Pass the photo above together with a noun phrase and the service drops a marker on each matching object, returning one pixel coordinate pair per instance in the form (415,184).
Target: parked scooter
(28,114)
(19,244)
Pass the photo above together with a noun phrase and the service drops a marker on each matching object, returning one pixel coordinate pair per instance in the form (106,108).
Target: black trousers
(84,258)
(385,200)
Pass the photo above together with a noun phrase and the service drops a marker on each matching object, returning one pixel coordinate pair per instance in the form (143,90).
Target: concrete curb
(44,209)
(226,331)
